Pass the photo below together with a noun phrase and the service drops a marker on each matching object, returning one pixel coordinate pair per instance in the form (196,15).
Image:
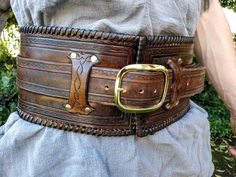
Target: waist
(105,83)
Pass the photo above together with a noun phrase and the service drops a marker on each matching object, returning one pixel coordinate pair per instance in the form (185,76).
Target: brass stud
(68,107)
(88,110)
(180,61)
(169,61)
(73,55)
(167,106)
(94,58)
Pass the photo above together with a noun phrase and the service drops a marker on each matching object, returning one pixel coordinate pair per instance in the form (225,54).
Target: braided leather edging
(99,131)
(109,36)
(79,33)
(71,127)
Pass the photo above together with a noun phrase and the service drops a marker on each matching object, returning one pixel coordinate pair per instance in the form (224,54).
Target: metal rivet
(73,55)
(180,61)
(94,58)
(87,109)
(169,61)
(67,107)
(188,83)
(167,106)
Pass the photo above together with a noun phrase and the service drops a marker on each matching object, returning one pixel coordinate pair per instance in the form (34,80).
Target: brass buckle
(139,67)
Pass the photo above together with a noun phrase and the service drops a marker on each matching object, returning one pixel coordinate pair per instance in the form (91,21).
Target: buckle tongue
(139,67)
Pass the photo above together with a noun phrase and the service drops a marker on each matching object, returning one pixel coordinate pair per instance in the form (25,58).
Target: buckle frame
(139,67)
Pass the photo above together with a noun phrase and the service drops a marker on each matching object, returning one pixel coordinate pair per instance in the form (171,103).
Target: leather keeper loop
(175,65)
(81,67)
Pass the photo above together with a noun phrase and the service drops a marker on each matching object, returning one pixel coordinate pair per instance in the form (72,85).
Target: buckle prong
(121,90)
(139,67)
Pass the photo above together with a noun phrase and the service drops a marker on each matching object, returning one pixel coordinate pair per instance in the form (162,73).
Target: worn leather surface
(48,79)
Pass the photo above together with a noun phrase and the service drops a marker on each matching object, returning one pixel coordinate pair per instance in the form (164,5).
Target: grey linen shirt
(180,150)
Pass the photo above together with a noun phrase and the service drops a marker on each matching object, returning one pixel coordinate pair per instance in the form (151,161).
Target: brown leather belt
(105,84)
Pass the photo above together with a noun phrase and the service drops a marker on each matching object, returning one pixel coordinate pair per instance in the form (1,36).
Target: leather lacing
(110,36)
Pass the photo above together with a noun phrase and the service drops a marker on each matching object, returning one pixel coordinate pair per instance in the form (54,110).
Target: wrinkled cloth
(152,17)
(180,150)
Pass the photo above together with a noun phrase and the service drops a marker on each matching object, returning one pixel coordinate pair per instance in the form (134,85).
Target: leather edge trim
(107,36)
(67,126)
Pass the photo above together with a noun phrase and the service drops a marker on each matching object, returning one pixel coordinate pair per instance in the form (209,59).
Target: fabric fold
(3,18)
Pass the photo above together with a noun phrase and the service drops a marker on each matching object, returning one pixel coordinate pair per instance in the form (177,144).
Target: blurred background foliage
(221,133)
(231,4)
(9,44)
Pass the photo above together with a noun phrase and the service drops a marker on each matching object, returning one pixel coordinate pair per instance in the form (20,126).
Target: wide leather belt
(106,84)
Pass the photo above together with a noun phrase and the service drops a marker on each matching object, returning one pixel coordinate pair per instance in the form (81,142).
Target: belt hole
(141,91)
(180,61)
(107,88)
